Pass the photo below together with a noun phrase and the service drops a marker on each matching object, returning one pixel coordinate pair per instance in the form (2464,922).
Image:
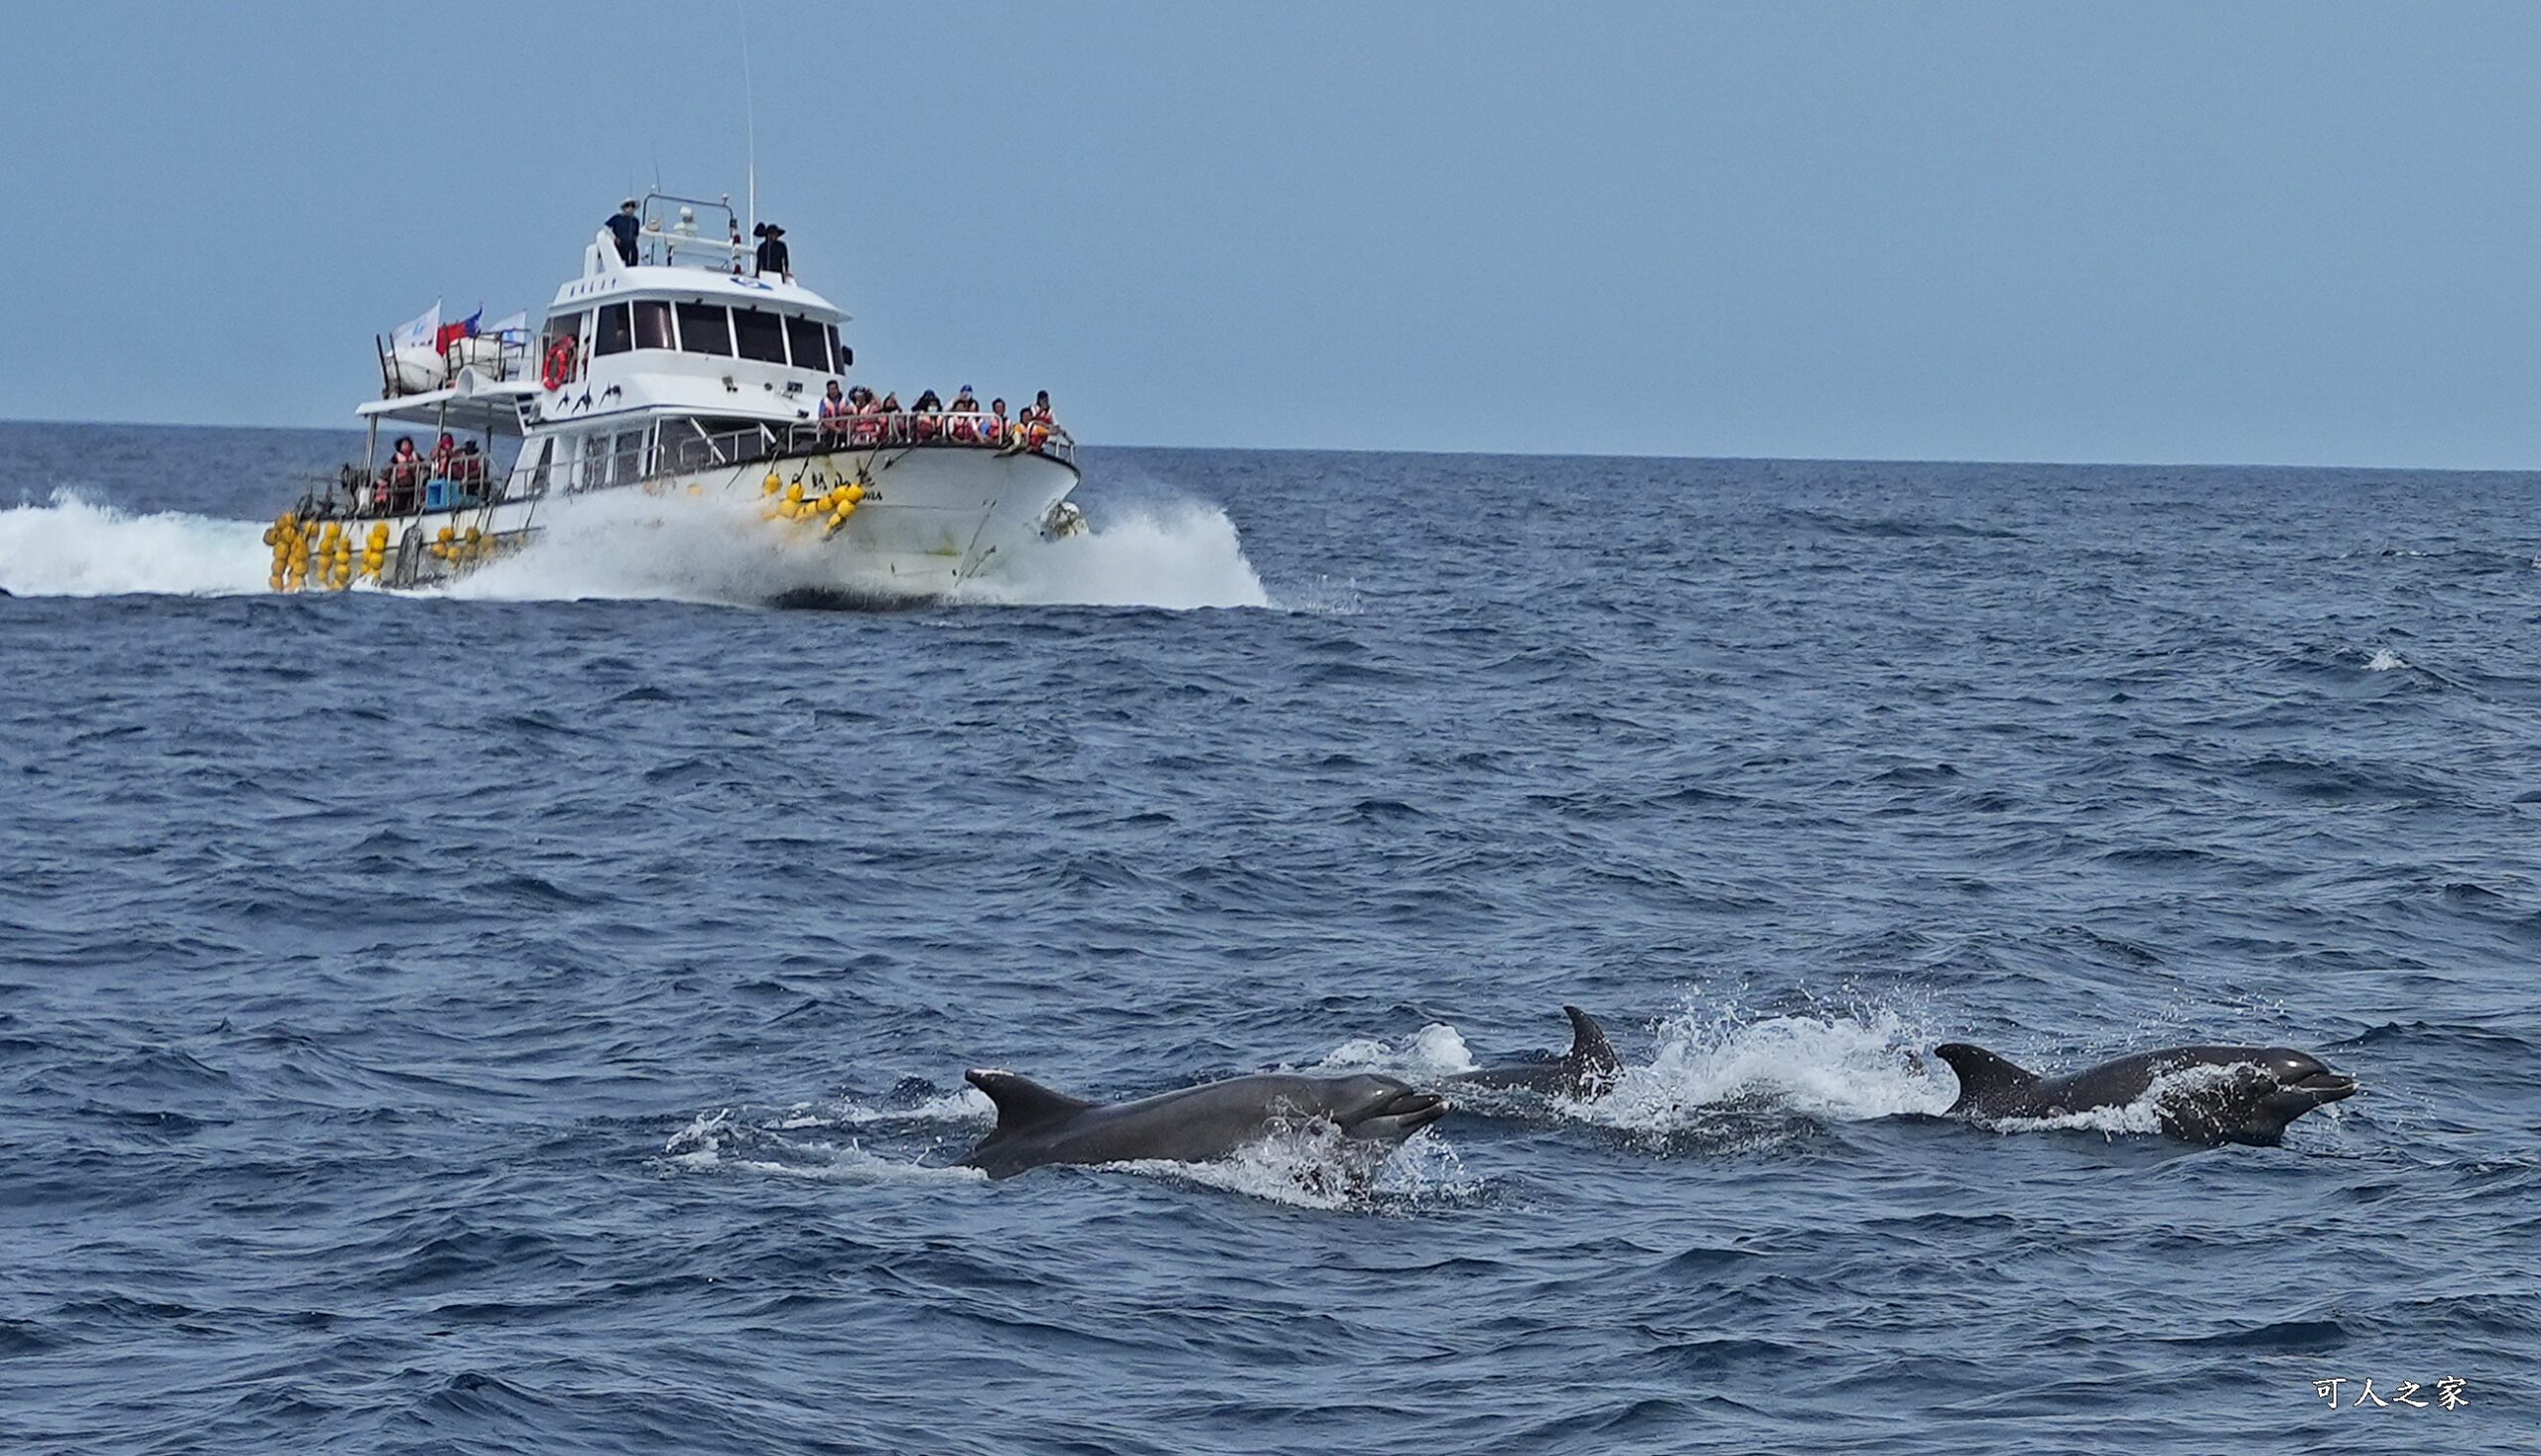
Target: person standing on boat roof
(771,252)
(624,227)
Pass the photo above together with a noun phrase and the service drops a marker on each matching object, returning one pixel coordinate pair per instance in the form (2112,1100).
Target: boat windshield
(691,232)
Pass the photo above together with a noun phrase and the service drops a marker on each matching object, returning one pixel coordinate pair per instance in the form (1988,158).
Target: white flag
(512,330)
(418,331)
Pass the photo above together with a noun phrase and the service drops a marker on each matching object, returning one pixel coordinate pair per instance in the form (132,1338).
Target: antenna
(750,108)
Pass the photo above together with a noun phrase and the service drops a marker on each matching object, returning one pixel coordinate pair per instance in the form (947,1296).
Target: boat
(687,376)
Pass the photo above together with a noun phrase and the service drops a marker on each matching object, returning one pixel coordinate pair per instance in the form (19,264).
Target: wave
(1180,557)
(73,546)
(1831,1068)
(625,545)
(1702,1063)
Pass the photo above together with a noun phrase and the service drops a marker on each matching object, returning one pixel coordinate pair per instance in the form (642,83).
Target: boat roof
(474,405)
(619,282)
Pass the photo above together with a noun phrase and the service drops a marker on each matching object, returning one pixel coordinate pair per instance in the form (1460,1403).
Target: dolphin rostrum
(1587,1069)
(1036,1125)
(2250,1096)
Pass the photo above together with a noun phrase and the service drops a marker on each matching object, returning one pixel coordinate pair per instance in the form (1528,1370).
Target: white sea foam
(1181,556)
(723,1140)
(1316,1166)
(71,546)
(1842,1068)
(2385,660)
(1435,1051)
(962,1104)
(715,549)
(625,545)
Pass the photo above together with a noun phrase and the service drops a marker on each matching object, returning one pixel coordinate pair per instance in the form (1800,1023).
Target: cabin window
(626,458)
(652,324)
(616,336)
(762,335)
(845,358)
(811,344)
(704,329)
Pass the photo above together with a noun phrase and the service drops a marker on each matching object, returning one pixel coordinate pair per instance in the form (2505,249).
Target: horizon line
(1809,460)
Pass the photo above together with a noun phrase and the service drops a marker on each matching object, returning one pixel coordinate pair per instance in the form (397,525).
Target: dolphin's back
(1588,1069)
(1036,1125)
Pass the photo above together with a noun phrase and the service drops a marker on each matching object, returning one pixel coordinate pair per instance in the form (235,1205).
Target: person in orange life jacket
(624,227)
(993,428)
(468,467)
(834,411)
(923,422)
(398,479)
(771,251)
(964,406)
(1050,422)
(444,453)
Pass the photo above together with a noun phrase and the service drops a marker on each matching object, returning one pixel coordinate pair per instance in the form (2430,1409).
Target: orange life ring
(560,364)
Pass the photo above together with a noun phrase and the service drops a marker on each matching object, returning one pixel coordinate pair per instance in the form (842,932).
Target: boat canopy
(474,405)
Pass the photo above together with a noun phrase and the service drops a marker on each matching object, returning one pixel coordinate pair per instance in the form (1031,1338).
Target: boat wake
(621,545)
(75,546)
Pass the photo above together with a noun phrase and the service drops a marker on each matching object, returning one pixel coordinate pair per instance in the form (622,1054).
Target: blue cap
(966,389)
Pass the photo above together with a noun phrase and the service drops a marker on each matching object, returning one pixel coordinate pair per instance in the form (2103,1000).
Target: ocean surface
(533,1018)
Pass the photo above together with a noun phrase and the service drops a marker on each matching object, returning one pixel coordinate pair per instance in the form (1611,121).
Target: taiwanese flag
(450,334)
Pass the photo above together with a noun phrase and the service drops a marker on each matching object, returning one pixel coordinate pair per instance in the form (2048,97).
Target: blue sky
(2232,233)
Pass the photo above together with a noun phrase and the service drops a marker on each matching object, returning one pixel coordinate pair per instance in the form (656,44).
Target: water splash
(1832,1068)
(1316,1166)
(1435,1051)
(625,545)
(2385,660)
(1180,557)
(71,546)
(726,1140)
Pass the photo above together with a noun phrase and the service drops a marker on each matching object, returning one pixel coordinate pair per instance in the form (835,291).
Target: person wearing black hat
(771,251)
(624,227)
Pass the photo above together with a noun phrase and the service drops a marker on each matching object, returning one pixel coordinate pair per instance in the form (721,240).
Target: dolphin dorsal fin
(1021,1103)
(1983,1077)
(1592,1057)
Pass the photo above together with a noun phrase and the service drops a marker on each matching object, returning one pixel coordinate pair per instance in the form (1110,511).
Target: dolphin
(1036,1125)
(2255,1093)
(1588,1070)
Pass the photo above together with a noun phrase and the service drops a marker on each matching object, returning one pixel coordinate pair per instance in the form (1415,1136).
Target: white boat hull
(931,519)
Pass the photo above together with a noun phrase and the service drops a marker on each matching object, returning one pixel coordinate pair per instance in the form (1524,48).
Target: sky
(2223,232)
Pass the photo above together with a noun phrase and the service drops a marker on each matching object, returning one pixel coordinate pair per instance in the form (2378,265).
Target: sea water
(531,1017)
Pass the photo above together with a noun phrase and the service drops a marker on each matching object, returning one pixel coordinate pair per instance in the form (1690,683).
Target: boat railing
(699,450)
(494,356)
(915,428)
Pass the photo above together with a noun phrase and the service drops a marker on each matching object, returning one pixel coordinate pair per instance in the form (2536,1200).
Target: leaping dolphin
(2255,1092)
(1036,1125)
(1587,1069)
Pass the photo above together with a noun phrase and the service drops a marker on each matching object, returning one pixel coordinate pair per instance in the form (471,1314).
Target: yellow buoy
(775,483)
(855,493)
(846,508)
(474,535)
(794,491)
(443,534)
